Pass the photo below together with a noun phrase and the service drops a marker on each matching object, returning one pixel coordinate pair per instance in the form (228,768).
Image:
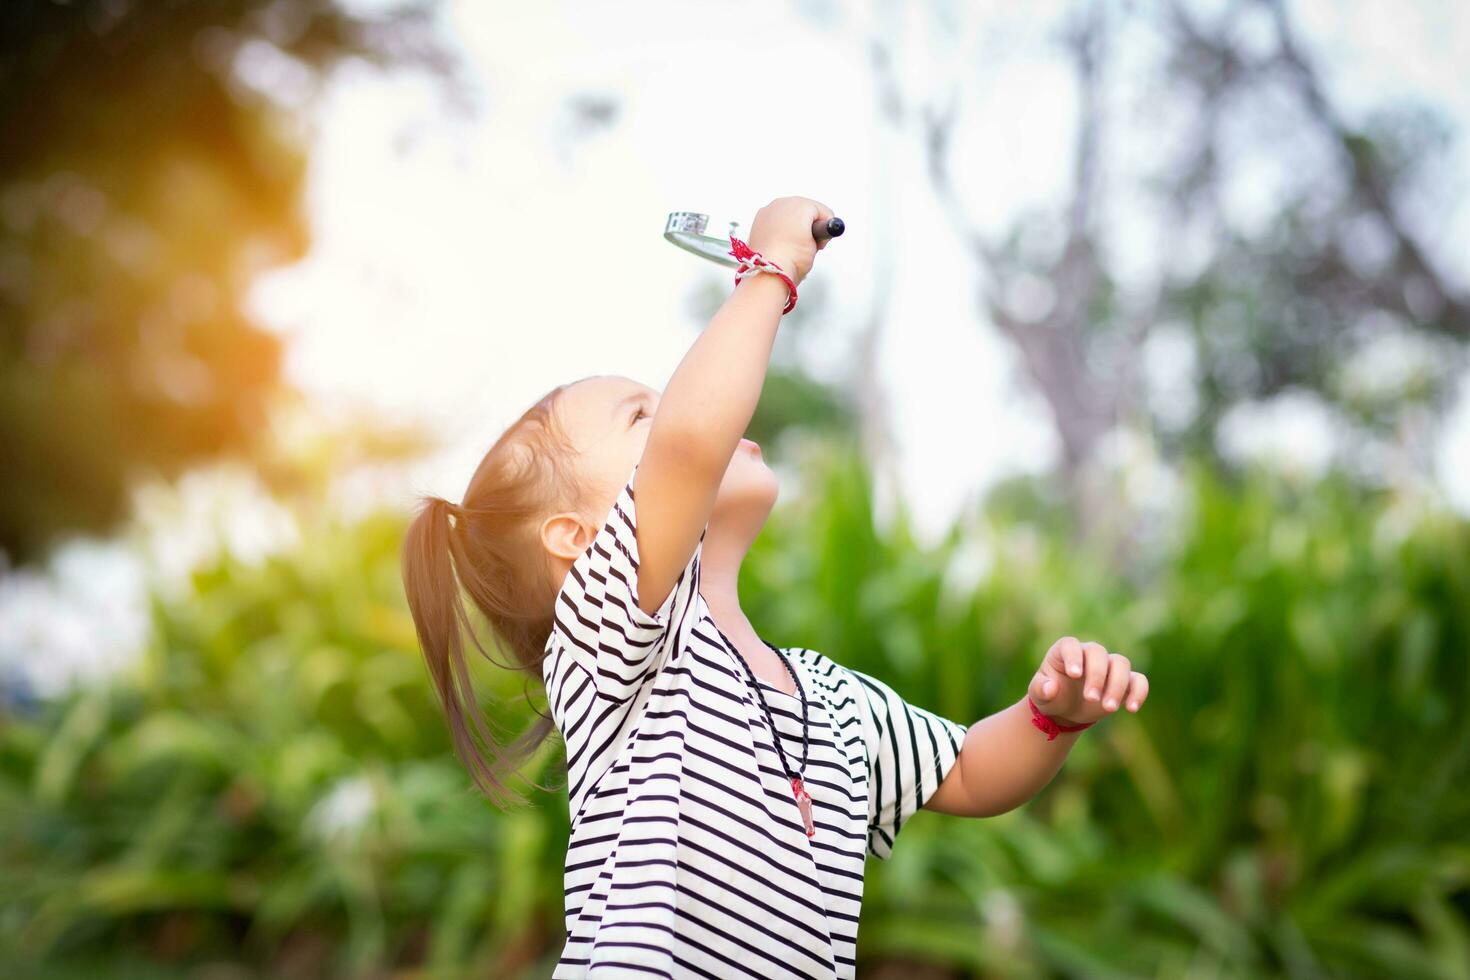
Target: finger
(1116,686)
(1066,656)
(1045,684)
(1094,670)
(1137,691)
(824,213)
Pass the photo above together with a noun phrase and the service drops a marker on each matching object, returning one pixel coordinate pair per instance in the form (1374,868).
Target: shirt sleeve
(910,751)
(597,617)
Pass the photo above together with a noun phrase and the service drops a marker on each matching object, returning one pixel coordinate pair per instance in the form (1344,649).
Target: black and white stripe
(687,855)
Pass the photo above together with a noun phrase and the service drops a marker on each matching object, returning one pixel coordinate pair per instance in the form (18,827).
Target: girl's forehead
(592,402)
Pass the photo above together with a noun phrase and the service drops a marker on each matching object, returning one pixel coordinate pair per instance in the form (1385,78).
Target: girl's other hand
(1079,683)
(782,232)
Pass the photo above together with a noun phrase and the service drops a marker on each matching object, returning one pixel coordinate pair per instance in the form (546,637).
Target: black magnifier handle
(823,229)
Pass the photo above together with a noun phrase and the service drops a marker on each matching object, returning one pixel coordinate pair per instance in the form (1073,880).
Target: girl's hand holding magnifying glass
(782,232)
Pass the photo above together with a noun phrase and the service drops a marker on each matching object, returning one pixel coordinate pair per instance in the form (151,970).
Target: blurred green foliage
(271,792)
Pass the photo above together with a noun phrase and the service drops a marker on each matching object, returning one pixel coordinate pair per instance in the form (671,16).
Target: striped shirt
(687,854)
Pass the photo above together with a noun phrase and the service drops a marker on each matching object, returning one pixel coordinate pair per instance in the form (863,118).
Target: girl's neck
(719,578)
(724,550)
(719,584)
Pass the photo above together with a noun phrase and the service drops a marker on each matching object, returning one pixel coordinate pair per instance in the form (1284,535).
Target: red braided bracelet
(1049,724)
(752,262)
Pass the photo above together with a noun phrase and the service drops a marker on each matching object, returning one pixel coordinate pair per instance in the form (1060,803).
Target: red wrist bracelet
(753,262)
(1049,725)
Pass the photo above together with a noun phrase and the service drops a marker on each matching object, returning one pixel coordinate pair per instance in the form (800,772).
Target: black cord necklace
(803,798)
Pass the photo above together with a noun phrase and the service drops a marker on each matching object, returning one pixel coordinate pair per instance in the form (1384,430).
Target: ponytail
(490,549)
(440,619)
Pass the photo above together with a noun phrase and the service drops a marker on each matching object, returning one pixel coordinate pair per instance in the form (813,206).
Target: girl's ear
(566,536)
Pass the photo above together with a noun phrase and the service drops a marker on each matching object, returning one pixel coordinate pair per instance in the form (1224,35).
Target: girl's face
(608,418)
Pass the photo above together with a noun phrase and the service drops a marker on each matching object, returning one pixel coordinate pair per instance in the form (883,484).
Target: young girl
(724,792)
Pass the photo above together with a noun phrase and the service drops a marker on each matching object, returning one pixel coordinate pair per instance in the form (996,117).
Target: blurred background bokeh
(1150,326)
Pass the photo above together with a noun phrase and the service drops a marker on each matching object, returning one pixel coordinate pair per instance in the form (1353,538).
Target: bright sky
(461,278)
(465,262)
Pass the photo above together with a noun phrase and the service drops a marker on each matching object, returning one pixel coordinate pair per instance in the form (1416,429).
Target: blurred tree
(1339,272)
(1335,292)
(153,164)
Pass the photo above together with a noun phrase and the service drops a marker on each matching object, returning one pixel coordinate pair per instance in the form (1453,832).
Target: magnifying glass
(686,229)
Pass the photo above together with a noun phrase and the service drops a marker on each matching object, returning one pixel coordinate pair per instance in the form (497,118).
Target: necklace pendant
(804,804)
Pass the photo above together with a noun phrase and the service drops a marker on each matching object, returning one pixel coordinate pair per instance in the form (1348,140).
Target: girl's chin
(748,484)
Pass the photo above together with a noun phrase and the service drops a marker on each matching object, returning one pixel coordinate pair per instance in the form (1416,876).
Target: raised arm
(708,402)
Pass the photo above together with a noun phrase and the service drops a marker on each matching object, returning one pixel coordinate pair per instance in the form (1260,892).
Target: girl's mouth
(750,444)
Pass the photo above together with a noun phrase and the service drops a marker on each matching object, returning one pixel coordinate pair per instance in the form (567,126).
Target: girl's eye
(639,414)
